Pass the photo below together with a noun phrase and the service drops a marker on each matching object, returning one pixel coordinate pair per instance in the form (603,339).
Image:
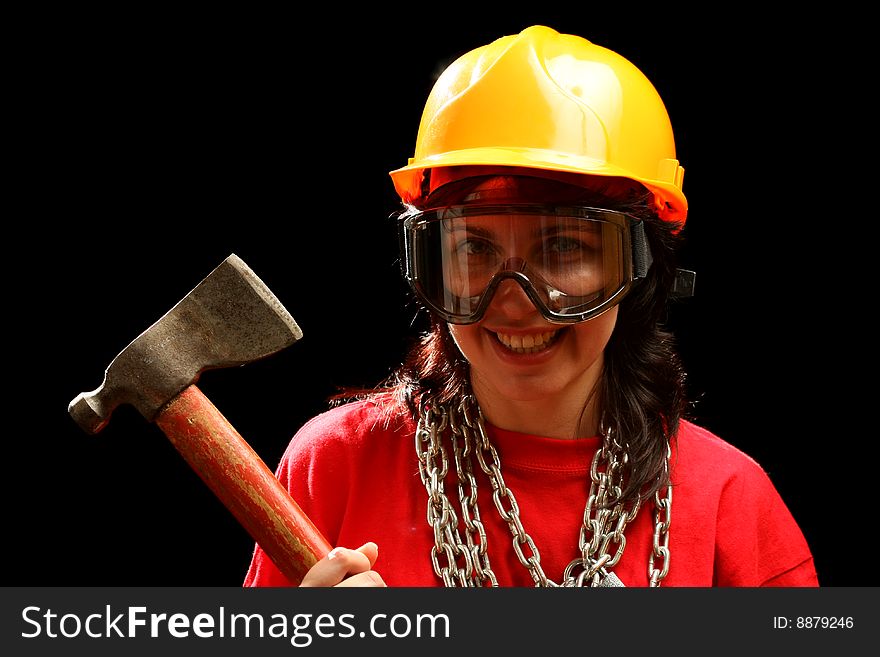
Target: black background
(154,145)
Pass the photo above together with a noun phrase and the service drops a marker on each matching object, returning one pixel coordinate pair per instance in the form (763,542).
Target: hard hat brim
(670,201)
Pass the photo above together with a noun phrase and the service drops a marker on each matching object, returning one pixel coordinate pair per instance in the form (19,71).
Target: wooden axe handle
(241,480)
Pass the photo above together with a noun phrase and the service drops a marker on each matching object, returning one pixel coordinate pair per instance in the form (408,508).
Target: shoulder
(349,447)
(348,427)
(711,467)
(696,446)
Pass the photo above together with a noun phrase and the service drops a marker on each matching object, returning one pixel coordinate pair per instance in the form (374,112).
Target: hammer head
(230,318)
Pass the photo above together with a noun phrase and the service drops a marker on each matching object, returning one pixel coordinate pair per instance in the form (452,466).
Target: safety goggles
(573,262)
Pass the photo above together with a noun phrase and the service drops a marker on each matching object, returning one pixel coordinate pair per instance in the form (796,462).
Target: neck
(564,416)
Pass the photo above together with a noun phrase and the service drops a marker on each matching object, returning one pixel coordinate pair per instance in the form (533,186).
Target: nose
(511,300)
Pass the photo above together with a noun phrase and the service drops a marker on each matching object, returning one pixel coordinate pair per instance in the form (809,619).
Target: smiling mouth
(530,343)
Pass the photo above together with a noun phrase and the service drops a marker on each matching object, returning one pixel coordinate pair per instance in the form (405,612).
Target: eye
(475,247)
(563,244)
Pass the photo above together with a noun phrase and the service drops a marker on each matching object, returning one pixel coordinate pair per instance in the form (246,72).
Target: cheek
(466,337)
(592,337)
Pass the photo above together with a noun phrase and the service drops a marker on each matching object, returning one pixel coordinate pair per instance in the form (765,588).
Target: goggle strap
(683,286)
(642,258)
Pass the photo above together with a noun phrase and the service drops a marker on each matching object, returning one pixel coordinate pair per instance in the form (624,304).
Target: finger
(371,551)
(369,578)
(333,568)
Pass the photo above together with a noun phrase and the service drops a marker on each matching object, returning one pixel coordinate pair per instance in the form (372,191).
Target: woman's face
(515,354)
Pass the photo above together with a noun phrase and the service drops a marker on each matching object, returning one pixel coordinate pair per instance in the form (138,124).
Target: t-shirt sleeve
(759,541)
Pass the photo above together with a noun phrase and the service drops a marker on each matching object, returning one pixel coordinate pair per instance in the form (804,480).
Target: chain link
(466,562)
(433,467)
(662,520)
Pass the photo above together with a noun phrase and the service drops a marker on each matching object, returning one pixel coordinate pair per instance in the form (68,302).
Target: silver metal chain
(459,554)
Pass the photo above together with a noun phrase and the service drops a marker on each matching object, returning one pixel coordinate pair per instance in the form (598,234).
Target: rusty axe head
(230,318)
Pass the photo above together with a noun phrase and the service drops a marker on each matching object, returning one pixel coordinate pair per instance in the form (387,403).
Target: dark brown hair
(641,391)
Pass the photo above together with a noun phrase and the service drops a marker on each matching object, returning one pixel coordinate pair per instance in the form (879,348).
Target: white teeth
(527,344)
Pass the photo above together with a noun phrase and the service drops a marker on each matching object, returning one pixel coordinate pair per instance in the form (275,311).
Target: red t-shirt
(356,476)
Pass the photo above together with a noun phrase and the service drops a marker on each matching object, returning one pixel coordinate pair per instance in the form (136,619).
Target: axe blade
(230,318)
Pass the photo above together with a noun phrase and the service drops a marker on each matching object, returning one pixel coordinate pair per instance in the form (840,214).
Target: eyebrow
(591,227)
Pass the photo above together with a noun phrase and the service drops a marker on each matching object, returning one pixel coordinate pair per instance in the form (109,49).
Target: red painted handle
(241,480)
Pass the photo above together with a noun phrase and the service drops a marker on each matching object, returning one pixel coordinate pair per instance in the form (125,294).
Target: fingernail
(333,553)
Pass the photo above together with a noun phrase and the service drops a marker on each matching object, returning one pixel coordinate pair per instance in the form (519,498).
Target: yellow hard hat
(549,101)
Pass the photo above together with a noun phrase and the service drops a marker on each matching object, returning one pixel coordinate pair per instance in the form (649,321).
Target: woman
(540,420)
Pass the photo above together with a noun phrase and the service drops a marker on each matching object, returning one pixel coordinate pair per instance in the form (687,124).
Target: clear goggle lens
(572,262)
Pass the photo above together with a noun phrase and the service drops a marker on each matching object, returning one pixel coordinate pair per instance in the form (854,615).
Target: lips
(528,343)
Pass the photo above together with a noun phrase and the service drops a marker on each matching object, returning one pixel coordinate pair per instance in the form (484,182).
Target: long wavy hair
(641,391)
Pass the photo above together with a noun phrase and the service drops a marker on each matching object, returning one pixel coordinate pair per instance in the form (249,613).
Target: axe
(230,318)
